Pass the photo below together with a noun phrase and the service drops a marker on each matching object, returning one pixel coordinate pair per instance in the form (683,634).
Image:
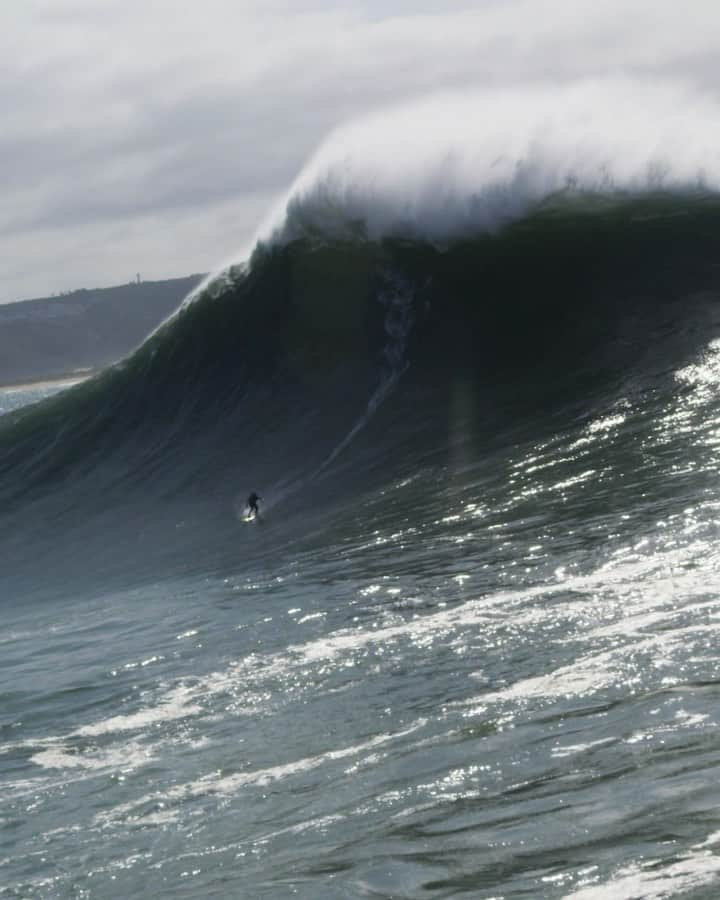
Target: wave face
(526,257)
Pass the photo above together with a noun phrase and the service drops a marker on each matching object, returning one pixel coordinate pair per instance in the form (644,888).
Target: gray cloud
(126,122)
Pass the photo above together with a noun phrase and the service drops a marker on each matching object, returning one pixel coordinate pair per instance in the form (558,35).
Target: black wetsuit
(252,502)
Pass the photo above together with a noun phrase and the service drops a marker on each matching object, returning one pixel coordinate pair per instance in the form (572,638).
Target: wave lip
(461,164)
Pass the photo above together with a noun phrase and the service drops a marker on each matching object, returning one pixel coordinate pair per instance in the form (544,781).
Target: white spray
(458,164)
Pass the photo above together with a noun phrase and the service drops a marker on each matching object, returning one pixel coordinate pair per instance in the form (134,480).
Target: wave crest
(456,165)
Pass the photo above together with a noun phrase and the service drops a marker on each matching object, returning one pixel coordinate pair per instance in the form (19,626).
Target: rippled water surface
(498,678)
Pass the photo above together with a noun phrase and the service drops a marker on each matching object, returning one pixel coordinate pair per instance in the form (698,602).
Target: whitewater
(471,363)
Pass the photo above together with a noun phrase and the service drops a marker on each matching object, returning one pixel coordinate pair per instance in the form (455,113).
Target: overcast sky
(152,136)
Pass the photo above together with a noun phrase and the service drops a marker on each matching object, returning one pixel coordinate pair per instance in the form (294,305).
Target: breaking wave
(521,249)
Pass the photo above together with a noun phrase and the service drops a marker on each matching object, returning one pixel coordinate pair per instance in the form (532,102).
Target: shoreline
(67,380)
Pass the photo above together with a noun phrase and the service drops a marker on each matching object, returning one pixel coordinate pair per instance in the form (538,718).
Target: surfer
(252,504)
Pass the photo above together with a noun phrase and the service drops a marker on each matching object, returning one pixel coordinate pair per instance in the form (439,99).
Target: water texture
(471,647)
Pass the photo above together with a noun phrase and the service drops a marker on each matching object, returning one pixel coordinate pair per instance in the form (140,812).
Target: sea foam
(472,162)
(458,164)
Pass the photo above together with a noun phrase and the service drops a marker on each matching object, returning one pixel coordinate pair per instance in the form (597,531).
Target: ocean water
(471,647)
(17,396)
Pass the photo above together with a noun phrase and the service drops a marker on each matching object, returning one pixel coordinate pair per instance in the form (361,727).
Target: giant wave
(522,250)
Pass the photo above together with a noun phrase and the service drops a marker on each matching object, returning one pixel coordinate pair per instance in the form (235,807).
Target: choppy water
(506,688)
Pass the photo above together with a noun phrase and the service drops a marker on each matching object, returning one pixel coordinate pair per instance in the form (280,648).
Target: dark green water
(472,647)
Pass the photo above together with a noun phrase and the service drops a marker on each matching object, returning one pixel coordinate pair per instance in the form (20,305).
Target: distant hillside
(87,329)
